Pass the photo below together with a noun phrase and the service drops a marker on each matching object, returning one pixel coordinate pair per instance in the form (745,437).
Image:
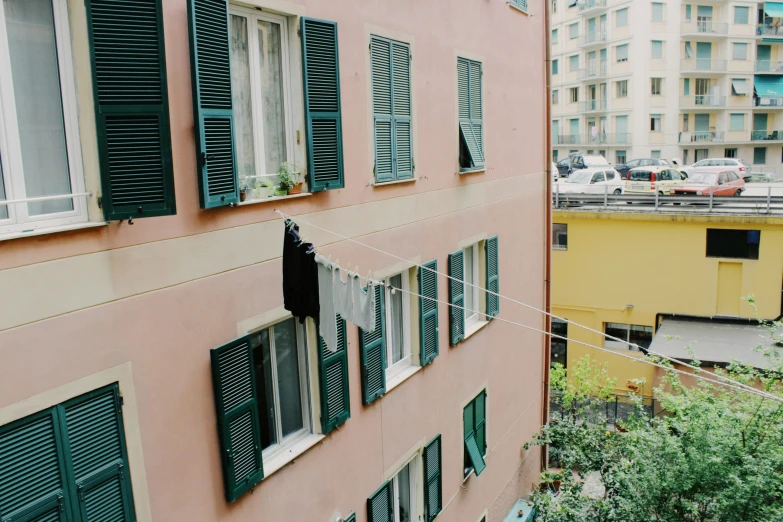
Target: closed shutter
(131,108)
(456,297)
(210,68)
(519,4)
(323,120)
(470,109)
(239,430)
(433,483)
(32,474)
(428,311)
(373,353)
(493,281)
(391,101)
(379,506)
(98,458)
(333,374)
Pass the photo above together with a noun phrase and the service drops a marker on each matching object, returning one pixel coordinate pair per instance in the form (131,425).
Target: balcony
(589,6)
(774,135)
(592,105)
(769,30)
(593,38)
(593,70)
(768,66)
(702,101)
(703,65)
(567,139)
(704,29)
(608,139)
(701,137)
(768,101)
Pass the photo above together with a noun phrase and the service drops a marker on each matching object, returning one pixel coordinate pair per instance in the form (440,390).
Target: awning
(774,9)
(712,341)
(771,85)
(774,41)
(739,85)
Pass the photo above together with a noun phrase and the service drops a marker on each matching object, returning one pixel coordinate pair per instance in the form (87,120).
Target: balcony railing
(774,30)
(767,101)
(701,137)
(594,70)
(594,37)
(587,5)
(703,65)
(567,139)
(592,139)
(769,66)
(766,135)
(704,28)
(593,105)
(702,100)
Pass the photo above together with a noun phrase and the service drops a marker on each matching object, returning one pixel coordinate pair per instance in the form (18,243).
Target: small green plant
(288,176)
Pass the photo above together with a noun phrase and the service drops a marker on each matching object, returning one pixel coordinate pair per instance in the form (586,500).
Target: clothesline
(731,383)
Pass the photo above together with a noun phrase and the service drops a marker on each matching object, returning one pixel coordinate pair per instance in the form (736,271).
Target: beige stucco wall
(154,297)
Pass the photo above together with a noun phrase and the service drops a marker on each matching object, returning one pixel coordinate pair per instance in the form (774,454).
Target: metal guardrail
(591,4)
(767,101)
(769,66)
(704,28)
(703,65)
(617,408)
(705,101)
(593,37)
(765,135)
(773,30)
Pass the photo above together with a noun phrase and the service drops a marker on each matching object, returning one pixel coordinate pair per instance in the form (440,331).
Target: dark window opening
(560,233)
(559,346)
(742,244)
(465,161)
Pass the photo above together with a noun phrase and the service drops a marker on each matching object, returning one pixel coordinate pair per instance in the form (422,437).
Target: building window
(471,277)
(739,51)
(573,31)
(403,488)
(739,87)
(41,473)
(741,15)
(471,114)
(390,66)
(657,49)
(621,52)
(475,431)
(621,17)
(656,86)
(259,85)
(737,122)
(655,122)
(398,327)
(554,36)
(554,66)
(559,346)
(621,157)
(560,236)
(554,155)
(631,333)
(740,244)
(554,6)
(555,97)
(573,63)
(40,154)
(622,88)
(657,12)
(730,153)
(759,155)
(700,154)
(573,94)
(655,154)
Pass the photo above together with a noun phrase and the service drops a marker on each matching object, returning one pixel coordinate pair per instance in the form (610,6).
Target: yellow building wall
(626,268)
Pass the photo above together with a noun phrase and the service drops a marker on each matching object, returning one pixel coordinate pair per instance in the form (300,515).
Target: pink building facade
(148,369)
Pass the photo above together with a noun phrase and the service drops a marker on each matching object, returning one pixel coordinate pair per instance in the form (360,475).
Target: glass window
(741,244)
(635,334)
(741,15)
(471,285)
(655,122)
(598,177)
(573,94)
(573,31)
(621,52)
(555,97)
(554,66)
(657,49)
(730,153)
(559,346)
(656,86)
(621,17)
(657,12)
(398,344)
(655,154)
(573,63)
(740,51)
(622,89)
(737,122)
(258,83)
(281,382)
(759,155)
(621,155)
(732,176)
(404,493)
(554,36)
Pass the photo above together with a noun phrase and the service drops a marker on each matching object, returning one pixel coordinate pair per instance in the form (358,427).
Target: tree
(713,454)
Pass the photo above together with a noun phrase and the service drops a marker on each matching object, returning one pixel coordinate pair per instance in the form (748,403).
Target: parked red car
(725,183)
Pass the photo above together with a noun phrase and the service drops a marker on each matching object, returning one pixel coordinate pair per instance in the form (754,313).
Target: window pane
(271,64)
(262,362)
(289,389)
(641,335)
(396,327)
(617,330)
(404,492)
(39,110)
(241,98)
(469,304)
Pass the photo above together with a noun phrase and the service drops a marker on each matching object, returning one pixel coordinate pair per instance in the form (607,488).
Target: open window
(471,115)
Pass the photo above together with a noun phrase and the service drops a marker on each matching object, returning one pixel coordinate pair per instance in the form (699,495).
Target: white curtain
(271,63)
(241,92)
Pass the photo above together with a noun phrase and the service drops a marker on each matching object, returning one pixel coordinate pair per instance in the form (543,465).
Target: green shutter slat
(323,115)
(401,109)
(380,507)
(428,312)
(373,353)
(471,446)
(212,105)
(433,482)
(351,518)
(131,108)
(239,429)
(32,473)
(333,375)
(98,457)
(480,421)
(456,297)
(493,279)
(471,108)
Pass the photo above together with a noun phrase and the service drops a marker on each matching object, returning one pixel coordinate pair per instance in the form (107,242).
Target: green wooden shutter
(32,472)
(428,312)
(433,482)
(380,507)
(323,120)
(401,91)
(210,68)
(239,429)
(474,454)
(98,458)
(471,123)
(131,108)
(456,297)
(480,420)
(493,281)
(351,518)
(373,353)
(333,375)
(474,421)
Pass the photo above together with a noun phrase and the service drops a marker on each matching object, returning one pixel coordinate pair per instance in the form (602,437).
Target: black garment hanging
(300,275)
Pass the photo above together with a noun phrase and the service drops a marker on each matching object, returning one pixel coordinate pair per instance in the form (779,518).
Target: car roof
(654,168)
(597,168)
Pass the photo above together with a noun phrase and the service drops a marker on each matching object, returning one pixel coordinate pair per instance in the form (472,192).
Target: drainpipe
(547,223)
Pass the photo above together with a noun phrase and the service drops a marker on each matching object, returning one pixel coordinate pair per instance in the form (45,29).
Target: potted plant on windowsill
(289,178)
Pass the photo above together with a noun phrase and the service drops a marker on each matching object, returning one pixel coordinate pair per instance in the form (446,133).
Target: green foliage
(712,454)
(288,176)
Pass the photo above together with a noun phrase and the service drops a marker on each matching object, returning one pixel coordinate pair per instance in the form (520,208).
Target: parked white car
(738,166)
(593,180)
(649,180)
(585,161)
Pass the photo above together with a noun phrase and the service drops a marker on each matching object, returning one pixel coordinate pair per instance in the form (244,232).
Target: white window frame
(10,148)
(473,251)
(253,16)
(284,444)
(394,370)
(413,480)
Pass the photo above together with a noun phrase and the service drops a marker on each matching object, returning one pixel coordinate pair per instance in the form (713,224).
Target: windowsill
(273,198)
(53,230)
(512,6)
(397,182)
(559,248)
(283,457)
(400,377)
(473,171)
(473,328)
(472,472)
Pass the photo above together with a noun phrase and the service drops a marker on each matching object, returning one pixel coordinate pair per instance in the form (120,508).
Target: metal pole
(711,198)
(557,194)
(606,195)
(769,199)
(656,200)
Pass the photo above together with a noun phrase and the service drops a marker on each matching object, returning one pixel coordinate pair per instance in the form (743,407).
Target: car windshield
(640,175)
(703,177)
(580,177)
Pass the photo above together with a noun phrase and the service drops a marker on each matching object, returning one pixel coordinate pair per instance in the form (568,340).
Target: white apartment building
(670,79)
